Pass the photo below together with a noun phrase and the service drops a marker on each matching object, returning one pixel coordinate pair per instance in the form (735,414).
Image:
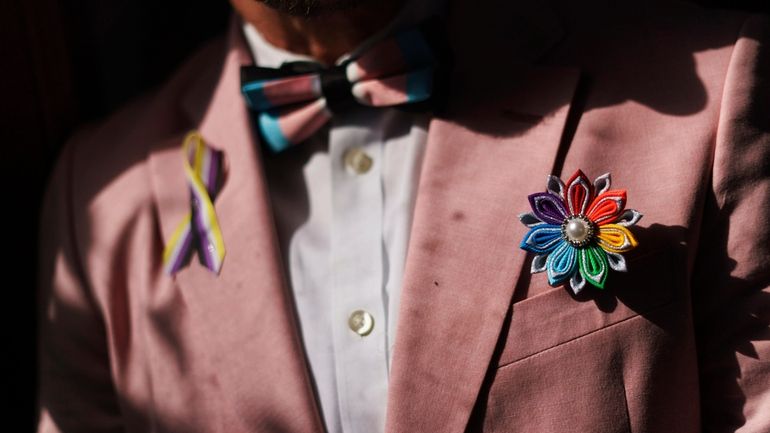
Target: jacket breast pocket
(555,316)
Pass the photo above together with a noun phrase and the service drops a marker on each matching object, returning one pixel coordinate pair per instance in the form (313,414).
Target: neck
(324,37)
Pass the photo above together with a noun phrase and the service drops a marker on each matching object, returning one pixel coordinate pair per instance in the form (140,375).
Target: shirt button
(361,322)
(357,160)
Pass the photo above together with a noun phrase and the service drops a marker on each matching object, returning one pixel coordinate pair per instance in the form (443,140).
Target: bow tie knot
(294,101)
(336,89)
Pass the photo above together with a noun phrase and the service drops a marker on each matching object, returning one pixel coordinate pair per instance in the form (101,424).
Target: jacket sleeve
(76,393)
(731,280)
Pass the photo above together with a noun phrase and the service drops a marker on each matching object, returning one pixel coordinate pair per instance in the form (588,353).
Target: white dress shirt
(343,204)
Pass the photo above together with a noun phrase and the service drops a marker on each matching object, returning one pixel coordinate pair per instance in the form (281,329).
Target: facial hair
(312,8)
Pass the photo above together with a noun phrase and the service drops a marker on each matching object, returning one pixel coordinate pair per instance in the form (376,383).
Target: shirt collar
(268,55)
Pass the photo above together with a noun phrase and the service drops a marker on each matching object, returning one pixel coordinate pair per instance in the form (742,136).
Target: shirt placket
(359,314)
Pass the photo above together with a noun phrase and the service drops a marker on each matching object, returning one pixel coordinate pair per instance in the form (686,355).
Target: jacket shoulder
(115,151)
(103,178)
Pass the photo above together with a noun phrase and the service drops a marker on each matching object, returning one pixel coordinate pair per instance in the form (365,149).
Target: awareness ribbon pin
(199,230)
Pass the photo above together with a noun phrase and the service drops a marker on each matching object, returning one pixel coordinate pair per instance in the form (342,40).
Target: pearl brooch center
(578,230)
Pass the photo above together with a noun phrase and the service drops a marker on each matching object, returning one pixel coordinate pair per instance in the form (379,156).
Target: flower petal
(607,207)
(548,208)
(579,194)
(617,261)
(555,186)
(615,238)
(530,220)
(561,263)
(538,263)
(593,265)
(577,282)
(542,239)
(602,184)
(629,218)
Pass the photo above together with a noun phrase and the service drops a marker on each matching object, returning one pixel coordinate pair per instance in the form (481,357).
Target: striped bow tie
(292,102)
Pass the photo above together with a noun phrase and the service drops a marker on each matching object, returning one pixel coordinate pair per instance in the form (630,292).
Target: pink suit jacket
(671,99)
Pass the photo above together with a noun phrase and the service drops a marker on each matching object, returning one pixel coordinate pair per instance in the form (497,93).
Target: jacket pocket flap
(556,316)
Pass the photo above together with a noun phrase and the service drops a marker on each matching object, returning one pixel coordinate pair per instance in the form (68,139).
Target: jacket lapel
(246,312)
(493,148)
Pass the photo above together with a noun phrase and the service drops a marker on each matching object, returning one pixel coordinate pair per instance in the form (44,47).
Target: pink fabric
(678,344)
(299,123)
(292,89)
(379,93)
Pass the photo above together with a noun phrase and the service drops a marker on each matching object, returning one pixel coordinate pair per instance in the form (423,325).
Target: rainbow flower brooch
(579,230)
